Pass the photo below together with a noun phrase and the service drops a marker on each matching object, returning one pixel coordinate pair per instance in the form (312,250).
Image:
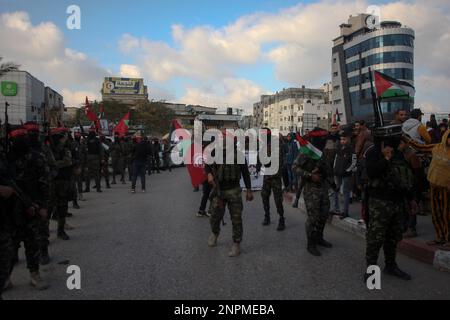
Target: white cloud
(77,98)
(297,41)
(129,71)
(230,92)
(40,49)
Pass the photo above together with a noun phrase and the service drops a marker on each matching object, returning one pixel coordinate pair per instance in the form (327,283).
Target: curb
(439,259)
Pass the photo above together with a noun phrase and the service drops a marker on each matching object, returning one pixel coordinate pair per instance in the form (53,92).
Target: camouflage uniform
(228,192)
(390,182)
(79,155)
(129,158)
(118,160)
(273,183)
(44,223)
(62,187)
(31,173)
(316,197)
(104,166)
(94,159)
(7,247)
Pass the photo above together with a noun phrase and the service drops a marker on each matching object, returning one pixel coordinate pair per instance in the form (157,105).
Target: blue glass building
(388,47)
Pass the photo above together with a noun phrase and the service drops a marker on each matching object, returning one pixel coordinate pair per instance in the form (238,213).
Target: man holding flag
(317,176)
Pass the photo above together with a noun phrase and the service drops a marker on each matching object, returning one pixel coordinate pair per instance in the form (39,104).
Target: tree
(7,67)
(155,117)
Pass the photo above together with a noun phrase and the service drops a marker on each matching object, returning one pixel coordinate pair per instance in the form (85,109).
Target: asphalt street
(152,246)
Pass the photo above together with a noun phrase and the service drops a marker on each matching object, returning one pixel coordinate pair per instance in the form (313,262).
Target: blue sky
(223,53)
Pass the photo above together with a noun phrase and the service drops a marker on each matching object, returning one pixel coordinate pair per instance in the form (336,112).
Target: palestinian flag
(388,87)
(123,125)
(308,148)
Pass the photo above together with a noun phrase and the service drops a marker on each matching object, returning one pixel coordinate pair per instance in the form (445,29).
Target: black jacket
(344,161)
(141,152)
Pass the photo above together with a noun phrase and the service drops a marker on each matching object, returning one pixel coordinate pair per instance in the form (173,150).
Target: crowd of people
(43,171)
(383,169)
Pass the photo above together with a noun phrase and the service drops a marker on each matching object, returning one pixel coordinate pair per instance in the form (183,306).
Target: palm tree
(7,67)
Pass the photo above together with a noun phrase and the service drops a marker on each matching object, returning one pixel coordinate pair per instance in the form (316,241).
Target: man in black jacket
(141,152)
(344,165)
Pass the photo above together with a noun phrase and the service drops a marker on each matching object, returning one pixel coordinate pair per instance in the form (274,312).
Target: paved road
(151,246)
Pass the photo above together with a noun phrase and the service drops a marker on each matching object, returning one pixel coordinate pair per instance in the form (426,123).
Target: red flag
(91,115)
(196,165)
(122,126)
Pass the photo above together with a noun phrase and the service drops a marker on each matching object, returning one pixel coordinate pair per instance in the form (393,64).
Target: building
(25,95)
(388,48)
(293,109)
(220,121)
(71,114)
(54,107)
(127,91)
(186,114)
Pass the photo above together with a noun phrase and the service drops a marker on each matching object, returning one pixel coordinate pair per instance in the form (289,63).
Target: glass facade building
(389,48)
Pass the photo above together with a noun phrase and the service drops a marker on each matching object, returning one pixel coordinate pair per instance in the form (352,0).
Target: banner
(255,177)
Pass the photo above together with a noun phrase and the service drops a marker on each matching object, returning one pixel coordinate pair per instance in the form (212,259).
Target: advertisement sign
(9,88)
(121,86)
(255,177)
(104,127)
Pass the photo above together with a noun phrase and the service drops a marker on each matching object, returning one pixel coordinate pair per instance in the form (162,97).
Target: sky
(221,53)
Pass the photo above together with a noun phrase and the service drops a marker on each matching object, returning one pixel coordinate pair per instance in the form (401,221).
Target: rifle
(6,128)
(216,191)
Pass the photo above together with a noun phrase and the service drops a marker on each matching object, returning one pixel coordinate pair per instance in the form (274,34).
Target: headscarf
(439,171)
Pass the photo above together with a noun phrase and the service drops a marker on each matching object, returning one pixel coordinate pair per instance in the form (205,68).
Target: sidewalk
(416,248)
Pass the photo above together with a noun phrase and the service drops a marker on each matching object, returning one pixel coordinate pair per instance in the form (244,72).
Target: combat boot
(63,235)
(312,249)
(295,204)
(8,285)
(80,197)
(37,281)
(395,271)
(212,240)
(108,186)
(322,242)
(281,224)
(44,258)
(266,221)
(99,190)
(235,250)
(75,204)
(114,181)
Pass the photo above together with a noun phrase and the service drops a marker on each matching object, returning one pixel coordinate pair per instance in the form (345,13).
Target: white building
(25,95)
(54,106)
(387,47)
(293,109)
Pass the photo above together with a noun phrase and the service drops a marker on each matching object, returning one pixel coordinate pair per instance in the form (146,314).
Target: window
(381,41)
(335,74)
(338,101)
(334,60)
(336,87)
(285,108)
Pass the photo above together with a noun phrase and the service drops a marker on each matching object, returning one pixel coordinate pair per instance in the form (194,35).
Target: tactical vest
(399,177)
(93,146)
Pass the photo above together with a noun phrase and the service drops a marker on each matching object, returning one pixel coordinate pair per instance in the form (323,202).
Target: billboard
(123,86)
(9,88)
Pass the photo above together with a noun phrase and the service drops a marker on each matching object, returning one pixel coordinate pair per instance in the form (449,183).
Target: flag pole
(379,121)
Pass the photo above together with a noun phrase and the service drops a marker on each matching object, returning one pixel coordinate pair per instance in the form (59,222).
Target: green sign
(9,88)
